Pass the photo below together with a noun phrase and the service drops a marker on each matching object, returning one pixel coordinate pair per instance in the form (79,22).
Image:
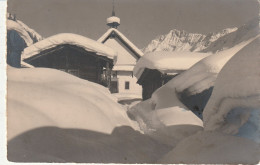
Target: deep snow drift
(167,107)
(234,107)
(192,88)
(56,117)
(231,117)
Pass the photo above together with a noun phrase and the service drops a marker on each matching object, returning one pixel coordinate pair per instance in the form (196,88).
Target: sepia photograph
(132,81)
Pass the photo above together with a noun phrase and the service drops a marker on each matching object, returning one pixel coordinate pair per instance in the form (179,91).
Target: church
(122,81)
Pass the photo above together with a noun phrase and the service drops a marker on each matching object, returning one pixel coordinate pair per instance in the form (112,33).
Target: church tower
(123,83)
(113,21)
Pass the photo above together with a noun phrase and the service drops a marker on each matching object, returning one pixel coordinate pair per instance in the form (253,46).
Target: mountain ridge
(180,40)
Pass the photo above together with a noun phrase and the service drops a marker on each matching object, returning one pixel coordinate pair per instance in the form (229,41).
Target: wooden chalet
(152,79)
(81,60)
(155,69)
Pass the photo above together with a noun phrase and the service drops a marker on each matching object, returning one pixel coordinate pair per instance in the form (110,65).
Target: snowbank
(167,61)
(234,107)
(180,95)
(45,97)
(213,148)
(166,125)
(193,87)
(56,117)
(72,39)
(231,117)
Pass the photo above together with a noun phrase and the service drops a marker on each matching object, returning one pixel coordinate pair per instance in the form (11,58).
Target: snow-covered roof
(123,68)
(105,36)
(26,65)
(71,39)
(13,25)
(33,34)
(113,19)
(167,61)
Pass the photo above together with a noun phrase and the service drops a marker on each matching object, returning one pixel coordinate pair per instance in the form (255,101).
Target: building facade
(122,80)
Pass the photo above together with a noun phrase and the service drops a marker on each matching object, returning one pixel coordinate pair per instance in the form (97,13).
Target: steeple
(113,11)
(113,21)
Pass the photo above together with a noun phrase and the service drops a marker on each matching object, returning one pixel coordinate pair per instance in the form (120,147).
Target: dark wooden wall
(151,80)
(76,61)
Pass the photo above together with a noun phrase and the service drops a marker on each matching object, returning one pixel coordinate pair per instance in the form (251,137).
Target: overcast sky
(141,20)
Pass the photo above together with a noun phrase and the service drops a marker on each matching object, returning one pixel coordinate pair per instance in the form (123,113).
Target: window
(127,85)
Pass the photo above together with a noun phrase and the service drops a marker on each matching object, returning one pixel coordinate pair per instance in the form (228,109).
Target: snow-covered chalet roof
(167,62)
(12,25)
(71,39)
(110,31)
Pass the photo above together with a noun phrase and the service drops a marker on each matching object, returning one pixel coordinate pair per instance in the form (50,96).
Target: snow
(167,109)
(72,39)
(166,125)
(234,106)
(123,68)
(180,40)
(193,87)
(128,42)
(28,34)
(26,65)
(231,117)
(56,117)
(213,148)
(33,34)
(12,25)
(113,19)
(54,96)
(167,62)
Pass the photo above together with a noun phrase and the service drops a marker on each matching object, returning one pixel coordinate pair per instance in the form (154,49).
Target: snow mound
(40,97)
(213,148)
(166,125)
(56,117)
(194,86)
(167,62)
(234,107)
(29,35)
(33,34)
(72,39)
(12,25)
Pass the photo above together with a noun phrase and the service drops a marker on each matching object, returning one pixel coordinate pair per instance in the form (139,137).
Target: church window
(127,85)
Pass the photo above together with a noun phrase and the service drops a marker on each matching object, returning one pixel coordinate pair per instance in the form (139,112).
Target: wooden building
(152,79)
(155,69)
(74,54)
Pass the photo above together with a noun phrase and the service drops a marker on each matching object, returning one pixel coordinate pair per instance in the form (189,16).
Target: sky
(141,20)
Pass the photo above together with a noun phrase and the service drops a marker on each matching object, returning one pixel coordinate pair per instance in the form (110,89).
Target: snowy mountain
(180,40)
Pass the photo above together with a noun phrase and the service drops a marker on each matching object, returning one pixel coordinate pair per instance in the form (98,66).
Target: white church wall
(126,76)
(125,57)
